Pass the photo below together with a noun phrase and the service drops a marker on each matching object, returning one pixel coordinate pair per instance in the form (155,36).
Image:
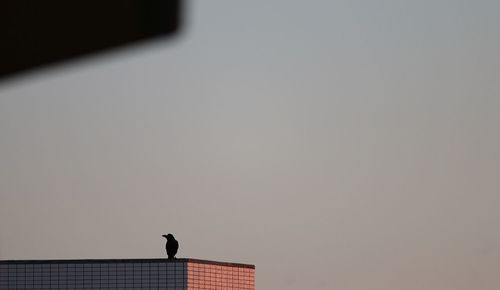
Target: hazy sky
(348,144)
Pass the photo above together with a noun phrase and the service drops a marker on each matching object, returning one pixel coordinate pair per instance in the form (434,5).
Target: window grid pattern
(203,276)
(124,275)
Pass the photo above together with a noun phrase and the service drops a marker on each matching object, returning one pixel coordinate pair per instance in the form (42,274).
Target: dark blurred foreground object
(38,32)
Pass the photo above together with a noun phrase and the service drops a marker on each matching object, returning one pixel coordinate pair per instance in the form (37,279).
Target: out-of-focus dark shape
(39,32)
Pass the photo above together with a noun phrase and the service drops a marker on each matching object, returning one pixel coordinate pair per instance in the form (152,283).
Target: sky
(334,144)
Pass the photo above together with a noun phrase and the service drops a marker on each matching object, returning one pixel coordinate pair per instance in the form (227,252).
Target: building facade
(179,274)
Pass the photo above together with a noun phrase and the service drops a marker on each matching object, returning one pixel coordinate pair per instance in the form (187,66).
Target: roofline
(151,260)
(229,264)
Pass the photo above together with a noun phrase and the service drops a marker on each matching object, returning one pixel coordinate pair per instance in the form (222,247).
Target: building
(185,274)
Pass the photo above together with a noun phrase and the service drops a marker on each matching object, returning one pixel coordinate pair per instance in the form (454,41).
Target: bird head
(168,237)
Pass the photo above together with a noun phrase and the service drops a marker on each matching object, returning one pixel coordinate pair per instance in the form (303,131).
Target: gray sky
(335,144)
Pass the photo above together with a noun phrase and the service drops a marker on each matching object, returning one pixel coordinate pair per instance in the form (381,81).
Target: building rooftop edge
(139,260)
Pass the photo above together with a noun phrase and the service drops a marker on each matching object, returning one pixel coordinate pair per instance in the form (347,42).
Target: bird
(171,246)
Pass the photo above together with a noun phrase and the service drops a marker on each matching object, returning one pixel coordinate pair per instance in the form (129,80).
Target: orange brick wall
(216,277)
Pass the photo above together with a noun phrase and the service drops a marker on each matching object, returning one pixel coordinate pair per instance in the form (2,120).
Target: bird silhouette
(171,246)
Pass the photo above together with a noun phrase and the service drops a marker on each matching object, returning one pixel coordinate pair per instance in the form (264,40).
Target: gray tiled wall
(124,275)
